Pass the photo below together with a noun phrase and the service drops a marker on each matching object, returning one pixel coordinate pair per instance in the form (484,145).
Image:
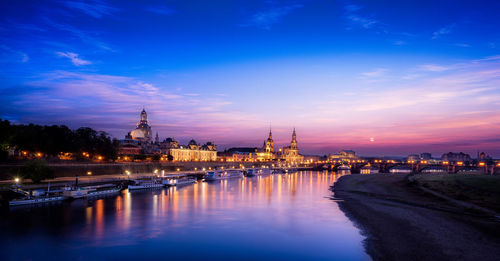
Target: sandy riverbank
(403,222)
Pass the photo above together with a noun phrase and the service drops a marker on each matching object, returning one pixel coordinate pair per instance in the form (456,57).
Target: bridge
(423,166)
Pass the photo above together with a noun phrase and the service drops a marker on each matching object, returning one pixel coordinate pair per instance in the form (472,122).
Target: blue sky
(413,75)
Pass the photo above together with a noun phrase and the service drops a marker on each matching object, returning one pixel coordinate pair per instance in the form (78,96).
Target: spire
(157,139)
(294,136)
(270,133)
(144,116)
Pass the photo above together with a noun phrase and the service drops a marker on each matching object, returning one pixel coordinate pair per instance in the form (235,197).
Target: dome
(192,142)
(137,134)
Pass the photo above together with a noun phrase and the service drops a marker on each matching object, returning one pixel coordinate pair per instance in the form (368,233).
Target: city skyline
(346,74)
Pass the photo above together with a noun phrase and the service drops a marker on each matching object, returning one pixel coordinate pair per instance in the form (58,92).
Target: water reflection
(283,216)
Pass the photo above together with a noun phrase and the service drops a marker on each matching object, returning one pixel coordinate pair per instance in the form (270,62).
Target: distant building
(425,156)
(191,152)
(143,131)
(267,151)
(368,169)
(413,157)
(239,154)
(454,157)
(291,153)
(140,141)
(344,155)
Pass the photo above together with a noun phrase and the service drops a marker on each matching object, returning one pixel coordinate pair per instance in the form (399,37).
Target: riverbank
(72,169)
(402,221)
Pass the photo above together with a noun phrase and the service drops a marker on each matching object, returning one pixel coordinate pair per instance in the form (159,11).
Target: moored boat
(145,185)
(36,200)
(219,175)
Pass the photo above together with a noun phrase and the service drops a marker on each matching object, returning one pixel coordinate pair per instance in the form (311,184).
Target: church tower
(144,117)
(293,144)
(270,143)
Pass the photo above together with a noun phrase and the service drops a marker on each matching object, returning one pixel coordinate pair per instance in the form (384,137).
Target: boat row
(76,192)
(42,196)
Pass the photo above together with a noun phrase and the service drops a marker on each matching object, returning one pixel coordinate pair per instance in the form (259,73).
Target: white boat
(145,185)
(36,200)
(103,192)
(344,167)
(178,182)
(219,175)
(76,192)
(186,181)
(255,172)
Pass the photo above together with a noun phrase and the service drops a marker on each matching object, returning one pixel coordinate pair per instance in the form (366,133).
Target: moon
(372,139)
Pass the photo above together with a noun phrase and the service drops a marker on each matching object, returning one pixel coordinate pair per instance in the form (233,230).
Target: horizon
(413,78)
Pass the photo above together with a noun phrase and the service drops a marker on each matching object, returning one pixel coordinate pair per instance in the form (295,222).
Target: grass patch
(482,190)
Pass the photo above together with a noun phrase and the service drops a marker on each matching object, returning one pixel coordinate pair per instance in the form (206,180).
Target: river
(274,217)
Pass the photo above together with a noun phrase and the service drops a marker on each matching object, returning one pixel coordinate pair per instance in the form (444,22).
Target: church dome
(138,134)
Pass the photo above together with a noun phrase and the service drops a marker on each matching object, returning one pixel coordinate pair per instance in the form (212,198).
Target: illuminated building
(140,141)
(344,155)
(455,157)
(267,152)
(191,152)
(143,131)
(291,153)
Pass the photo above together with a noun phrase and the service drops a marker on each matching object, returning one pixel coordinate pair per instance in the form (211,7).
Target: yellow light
(481,164)
(99,158)
(178,169)
(445,163)
(460,163)
(16,180)
(156,171)
(89,172)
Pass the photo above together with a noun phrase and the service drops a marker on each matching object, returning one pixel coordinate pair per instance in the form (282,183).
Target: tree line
(52,140)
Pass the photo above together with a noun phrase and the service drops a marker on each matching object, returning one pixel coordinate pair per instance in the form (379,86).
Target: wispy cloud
(74,57)
(433,68)
(266,19)
(399,42)
(82,35)
(15,55)
(112,103)
(443,31)
(375,73)
(358,20)
(94,8)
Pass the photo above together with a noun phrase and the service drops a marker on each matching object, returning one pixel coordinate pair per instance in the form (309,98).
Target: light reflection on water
(285,216)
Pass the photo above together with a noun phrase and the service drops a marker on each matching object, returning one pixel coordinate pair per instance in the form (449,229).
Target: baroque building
(267,151)
(190,152)
(291,153)
(143,131)
(140,141)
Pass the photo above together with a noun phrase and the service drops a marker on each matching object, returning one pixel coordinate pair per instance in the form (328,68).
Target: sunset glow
(379,79)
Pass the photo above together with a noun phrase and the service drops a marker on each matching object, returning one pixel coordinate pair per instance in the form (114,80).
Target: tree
(36,170)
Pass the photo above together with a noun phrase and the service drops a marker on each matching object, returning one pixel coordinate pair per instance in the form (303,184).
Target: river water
(274,217)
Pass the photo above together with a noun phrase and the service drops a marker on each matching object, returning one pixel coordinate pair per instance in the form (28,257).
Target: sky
(379,77)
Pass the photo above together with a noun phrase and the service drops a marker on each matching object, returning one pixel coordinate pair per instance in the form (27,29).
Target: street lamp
(89,173)
(17,180)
